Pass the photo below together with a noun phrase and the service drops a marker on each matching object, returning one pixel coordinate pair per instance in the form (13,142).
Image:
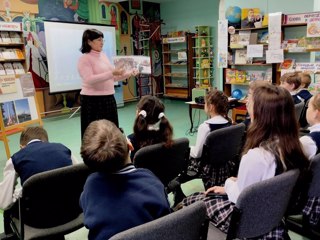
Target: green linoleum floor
(67,131)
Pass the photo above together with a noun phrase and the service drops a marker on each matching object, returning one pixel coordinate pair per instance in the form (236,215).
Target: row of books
(244,38)
(11,68)
(10,37)
(11,53)
(301,43)
(242,76)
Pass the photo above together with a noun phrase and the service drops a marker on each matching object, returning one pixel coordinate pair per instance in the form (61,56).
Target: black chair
(302,223)
(189,223)
(49,206)
(221,150)
(259,208)
(165,163)
(298,109)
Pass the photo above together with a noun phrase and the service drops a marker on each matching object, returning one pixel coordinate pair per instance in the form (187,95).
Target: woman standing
(98,77)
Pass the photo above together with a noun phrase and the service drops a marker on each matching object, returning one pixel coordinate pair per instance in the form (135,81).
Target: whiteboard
(63,43)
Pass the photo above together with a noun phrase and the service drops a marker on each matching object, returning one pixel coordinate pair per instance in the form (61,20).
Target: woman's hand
(118,71)
(135,72)
(216,189)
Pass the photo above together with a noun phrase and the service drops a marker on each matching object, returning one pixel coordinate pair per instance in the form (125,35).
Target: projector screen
(63,42)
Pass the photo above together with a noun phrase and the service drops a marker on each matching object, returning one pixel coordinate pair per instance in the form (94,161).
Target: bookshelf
(242,69)
(12,50)
(178,65)
(203,57)
(18,103)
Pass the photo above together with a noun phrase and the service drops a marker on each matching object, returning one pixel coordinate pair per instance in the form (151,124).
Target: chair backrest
(298,109)
(314,189)
(51,198)
(189,223)
(165,163)
(261,206)
(303,116)
(223,145)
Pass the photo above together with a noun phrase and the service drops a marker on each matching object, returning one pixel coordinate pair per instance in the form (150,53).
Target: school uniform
(219,209)
(115,202)
(204,129)
(311,142)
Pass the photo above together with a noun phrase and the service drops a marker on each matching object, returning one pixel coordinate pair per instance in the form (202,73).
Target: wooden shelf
(178,83)
(253,64)
(245,83)
(11,44)
(246,29)
(176,75)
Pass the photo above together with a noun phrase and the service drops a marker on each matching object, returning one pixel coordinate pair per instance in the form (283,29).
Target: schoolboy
(36,155)
(117,196)
(303,91)
(291,82)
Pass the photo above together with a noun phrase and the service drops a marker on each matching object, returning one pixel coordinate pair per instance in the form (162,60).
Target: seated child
(303,91)
(151,126)
(36,155)
(117,196)
(306,95)
(311,142)
(291,82)
(216,106)
(267,152)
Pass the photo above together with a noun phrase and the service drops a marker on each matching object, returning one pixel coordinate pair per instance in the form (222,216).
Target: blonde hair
(31,133)
(316,101)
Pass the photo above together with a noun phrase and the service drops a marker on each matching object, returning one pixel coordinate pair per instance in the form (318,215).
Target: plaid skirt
(312,211)
(217,177)
(219,210)
(98,107)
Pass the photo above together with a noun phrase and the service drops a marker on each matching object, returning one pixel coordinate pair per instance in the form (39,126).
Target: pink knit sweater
(95,70)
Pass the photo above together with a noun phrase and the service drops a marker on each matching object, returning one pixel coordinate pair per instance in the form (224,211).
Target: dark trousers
(98,107)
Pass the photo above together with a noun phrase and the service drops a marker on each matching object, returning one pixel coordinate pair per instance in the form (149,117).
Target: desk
(233,103)
(193,104)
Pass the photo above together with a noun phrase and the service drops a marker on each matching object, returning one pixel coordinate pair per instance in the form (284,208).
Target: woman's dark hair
(89,34)
(146,136)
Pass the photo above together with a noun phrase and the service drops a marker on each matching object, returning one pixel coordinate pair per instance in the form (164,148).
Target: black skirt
(96,108)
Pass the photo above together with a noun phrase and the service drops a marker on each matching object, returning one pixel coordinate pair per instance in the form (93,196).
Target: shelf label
(13,26)
(299,18)
(174,40)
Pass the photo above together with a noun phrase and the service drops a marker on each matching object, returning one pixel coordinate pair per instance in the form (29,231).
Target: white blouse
(308,145)
(203,131)
(257,165)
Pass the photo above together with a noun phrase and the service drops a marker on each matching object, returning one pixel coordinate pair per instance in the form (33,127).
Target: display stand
(18,109)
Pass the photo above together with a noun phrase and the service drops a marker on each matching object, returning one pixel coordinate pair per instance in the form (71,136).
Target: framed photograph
(135,6)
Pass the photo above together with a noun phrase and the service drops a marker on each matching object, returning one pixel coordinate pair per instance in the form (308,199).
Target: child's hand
(216,189)
(233,179)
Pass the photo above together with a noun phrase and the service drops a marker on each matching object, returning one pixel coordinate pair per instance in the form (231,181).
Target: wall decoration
(135,6)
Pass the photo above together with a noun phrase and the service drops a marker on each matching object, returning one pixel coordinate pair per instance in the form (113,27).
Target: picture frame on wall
(135,6)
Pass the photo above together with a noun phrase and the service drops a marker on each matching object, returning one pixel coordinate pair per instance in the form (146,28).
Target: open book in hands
(134,64)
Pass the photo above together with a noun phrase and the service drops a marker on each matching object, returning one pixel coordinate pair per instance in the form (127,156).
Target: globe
(237,94)
(233,14)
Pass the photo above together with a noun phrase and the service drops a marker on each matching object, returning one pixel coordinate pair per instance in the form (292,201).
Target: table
(233,103)
(193,105)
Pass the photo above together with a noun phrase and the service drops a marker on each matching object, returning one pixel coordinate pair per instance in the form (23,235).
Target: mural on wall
(35,52)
